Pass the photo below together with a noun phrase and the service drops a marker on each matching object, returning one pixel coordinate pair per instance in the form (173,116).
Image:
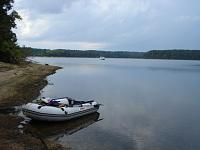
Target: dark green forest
(9,50)
(173,54)
(153,54)
(85,53)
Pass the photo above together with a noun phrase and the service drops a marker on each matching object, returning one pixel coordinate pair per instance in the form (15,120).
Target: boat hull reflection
(59,129)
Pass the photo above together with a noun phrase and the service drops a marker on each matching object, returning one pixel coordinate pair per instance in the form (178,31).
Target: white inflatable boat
(59,109)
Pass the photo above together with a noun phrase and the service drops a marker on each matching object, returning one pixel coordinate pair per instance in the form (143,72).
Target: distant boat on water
(102,58)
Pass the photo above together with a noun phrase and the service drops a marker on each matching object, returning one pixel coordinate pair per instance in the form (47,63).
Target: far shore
(20,84)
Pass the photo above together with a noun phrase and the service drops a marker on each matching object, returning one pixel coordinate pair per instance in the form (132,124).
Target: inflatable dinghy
(59,109)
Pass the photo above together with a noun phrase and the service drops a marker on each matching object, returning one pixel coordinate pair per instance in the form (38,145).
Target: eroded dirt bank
(20,84)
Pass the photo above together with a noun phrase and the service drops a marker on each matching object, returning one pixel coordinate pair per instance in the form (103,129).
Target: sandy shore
(18,85)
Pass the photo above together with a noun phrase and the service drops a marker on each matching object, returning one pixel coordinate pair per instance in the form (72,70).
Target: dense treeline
(153,54)
(9,50)
(173,54)
(86,53)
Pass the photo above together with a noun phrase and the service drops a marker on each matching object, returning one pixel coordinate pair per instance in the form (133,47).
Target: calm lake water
(148,104)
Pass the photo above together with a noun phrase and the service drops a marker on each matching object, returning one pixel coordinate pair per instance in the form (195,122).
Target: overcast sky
(133,25)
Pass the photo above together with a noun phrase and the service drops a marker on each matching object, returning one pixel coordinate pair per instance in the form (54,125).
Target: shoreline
(20,84)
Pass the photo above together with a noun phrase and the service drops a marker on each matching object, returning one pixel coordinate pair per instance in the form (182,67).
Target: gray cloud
(44,6)
(109,24)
